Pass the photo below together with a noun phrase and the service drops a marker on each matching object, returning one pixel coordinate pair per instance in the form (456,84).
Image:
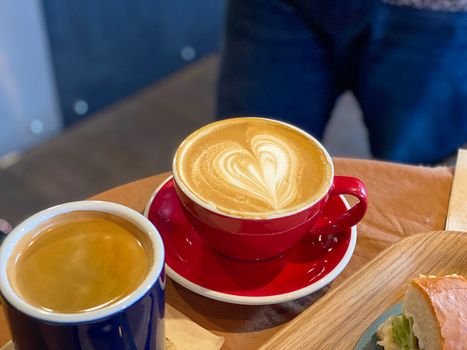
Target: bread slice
(438,308)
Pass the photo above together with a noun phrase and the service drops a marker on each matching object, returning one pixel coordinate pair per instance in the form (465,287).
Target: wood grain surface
(338,319)
(457,211)
(403,200)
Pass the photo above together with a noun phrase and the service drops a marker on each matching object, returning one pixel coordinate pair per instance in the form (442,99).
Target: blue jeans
(407,67)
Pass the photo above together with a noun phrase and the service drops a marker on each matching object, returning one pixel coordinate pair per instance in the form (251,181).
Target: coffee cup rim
(27,225)
(193,197)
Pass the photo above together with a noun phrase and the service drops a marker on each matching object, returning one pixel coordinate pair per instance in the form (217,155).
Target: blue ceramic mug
(133,322)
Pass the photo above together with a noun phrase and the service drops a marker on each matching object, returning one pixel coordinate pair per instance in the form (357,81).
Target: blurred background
(94,94)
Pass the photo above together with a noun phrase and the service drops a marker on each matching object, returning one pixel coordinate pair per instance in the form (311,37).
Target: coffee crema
(80,261)
(252,167)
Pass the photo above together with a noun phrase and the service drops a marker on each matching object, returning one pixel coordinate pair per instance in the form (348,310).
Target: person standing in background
(404,60)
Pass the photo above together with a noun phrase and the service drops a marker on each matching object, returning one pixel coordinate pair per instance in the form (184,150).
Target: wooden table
(403,200)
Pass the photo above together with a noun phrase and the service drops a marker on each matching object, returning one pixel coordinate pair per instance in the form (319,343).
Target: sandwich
(434,316)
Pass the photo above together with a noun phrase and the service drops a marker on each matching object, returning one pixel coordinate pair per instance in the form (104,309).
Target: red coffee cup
(256,239)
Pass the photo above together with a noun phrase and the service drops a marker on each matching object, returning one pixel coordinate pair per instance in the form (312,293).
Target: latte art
(265,174)
(252,167)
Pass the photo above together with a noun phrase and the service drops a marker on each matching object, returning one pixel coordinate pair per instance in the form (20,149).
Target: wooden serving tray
(338,319)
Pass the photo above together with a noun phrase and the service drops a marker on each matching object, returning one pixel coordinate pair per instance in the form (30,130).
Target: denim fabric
(407,67)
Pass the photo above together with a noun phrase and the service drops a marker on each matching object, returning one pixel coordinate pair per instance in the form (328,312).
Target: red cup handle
(333,224)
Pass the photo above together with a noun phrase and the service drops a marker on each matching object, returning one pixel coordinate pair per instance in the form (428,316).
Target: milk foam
(266,172)
(252,167)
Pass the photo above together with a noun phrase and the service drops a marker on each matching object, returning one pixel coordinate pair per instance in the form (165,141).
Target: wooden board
(393,213)
(338,319)
(457,212)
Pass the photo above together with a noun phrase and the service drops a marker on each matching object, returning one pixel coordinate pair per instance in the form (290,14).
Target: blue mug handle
(5,228)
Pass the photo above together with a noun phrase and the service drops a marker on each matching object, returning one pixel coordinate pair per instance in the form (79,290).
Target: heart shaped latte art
(260,178)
